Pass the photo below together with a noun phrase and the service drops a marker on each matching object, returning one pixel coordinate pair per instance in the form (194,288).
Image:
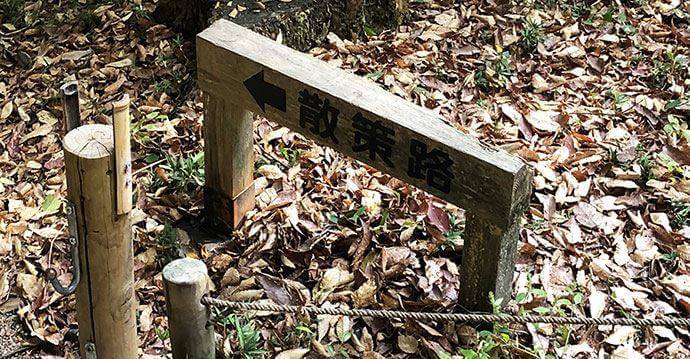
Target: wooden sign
(357,118)
(240,70)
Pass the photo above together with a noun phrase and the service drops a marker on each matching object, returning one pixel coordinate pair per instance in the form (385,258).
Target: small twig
(16,351)
(148,166)
(8,34)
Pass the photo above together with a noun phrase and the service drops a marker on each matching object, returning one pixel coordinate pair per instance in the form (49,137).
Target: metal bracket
(71,212)
(90,350)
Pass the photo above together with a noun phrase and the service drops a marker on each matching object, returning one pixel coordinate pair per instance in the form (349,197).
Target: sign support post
(229,162)
(242,72)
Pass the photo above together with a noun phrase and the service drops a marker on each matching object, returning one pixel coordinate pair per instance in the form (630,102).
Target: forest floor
(594,96)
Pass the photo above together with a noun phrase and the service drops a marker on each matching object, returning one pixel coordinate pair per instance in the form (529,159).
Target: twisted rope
(460,317)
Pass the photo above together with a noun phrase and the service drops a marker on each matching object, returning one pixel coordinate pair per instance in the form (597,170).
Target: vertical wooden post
(70,105)
(488,259)
(123,155)
(488,262)
(229,158)
(191,336)
(106,307)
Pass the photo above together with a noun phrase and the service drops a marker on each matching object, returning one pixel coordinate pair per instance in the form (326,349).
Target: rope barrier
(460,317)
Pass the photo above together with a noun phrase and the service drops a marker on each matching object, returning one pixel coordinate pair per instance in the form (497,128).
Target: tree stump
(186,16)
(302,24)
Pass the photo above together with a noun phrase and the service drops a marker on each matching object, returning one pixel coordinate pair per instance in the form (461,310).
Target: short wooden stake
(106,306)
(69,92)
(191,335)
(229,158)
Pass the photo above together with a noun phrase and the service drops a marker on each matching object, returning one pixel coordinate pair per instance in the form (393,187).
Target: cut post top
(90,141)
(70,88)
(185,271)
(360,119)
(121,104)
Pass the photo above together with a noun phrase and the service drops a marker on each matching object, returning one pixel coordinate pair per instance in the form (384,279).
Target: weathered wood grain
(191,335)
(229,161)
(250,72)
(123,155)
(483,178)
(106,306)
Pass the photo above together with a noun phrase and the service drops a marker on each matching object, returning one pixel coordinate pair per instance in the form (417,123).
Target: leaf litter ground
(594,97)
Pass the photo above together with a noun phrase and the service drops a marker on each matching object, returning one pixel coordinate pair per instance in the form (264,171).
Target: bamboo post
(69,92)
(191,336)
(123,155)
(106,306)
(229,158)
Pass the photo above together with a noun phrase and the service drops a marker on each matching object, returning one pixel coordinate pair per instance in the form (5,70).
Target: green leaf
(152,115)
(542,310)
(50,204)
(468,354)
(629,29)
(332,216)
(345,336)
(370,31)
(151,158)
(485,333)
(304,329)
(562,302)
(375,75)
(608,16)
(577,298)
(674,103)
(539,292)
(355,217)
(520,297)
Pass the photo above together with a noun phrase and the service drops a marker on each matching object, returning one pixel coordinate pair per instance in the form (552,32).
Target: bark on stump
(303,24)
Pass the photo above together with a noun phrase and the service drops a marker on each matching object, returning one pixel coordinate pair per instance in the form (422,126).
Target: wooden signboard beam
(248,72)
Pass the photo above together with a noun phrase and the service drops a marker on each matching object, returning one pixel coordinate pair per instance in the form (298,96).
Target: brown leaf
(544,120)
(298,353)
(7,109)
(115,86)
(362,245)
(76,55)
(408,344)
(365,294)
(438,217)
(332,279)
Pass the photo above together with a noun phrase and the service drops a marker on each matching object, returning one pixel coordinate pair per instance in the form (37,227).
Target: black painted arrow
(265,93)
